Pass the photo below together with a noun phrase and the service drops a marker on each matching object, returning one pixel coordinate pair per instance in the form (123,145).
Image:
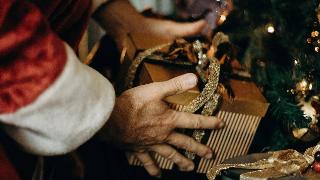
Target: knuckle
(197,123)
(129,98)
(171,117)
(162,138)
(176,140)
(169,140)
(147,163)
(189,144)
(165,121)
(177,84)
(172,155)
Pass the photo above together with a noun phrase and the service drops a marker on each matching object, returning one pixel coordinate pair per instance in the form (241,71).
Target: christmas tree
(278,42)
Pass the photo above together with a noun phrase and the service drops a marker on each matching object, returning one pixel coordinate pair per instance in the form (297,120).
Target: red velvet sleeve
(7,170)
(31,55)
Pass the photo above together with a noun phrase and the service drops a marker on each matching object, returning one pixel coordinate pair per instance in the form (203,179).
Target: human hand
(119,18)
(142,122)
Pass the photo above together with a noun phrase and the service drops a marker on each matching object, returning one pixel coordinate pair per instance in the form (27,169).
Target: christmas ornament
(316,163)
(316,167)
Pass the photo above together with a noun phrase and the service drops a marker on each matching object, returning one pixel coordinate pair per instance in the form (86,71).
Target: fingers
(195,121)
(185,142)
(148,164)
(170,153)
(176,85)
(188,29)
(160,90)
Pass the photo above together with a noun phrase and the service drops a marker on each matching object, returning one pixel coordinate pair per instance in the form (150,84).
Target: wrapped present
(238,102)
(279,165)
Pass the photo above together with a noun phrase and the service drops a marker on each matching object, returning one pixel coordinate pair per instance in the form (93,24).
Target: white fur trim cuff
(67,114)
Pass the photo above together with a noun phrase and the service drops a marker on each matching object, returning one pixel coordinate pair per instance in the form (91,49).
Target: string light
(222,19)
(270,28)
(314,34)
(313,40)
(303,86)
(309,41)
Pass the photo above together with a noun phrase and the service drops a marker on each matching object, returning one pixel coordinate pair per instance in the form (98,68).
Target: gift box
(271,174)
(242,115)
(236,173)
(242,112)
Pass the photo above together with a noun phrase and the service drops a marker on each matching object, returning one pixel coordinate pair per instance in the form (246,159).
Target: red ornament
(316,167)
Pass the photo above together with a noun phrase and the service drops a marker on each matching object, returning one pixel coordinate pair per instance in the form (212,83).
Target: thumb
(188,29)
(176,85)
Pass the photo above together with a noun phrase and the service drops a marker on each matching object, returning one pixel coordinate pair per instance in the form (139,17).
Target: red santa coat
(50,103)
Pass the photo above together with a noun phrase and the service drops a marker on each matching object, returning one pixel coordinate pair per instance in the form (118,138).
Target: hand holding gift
(142,121)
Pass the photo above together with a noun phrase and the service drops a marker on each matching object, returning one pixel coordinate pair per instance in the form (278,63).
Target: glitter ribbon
(279,164)
(137,61)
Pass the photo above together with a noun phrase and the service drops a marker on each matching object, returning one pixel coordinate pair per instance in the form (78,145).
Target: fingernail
(190,167)
(221,124)
(208,155)
(191,80)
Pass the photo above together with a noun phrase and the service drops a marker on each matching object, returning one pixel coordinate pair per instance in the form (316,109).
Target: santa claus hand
(141,118)
(118,23)
(168,152)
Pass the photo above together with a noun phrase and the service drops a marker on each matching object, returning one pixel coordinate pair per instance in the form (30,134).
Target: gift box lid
(247,97)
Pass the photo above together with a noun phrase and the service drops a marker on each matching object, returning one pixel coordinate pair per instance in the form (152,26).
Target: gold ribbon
(137,61)
(279,164)
(207,98)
